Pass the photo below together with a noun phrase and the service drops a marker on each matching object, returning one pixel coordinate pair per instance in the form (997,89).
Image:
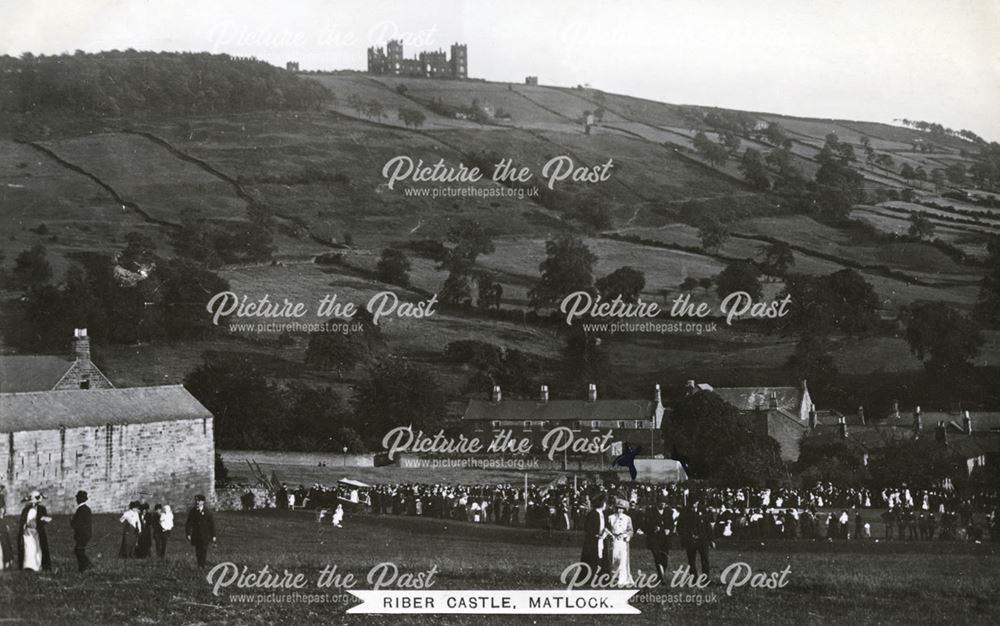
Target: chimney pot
(967,423)
(657,398)
(861,415)
(773,400)
(497,396)
(592,392)
(842,427)
(81,344)
(545,393)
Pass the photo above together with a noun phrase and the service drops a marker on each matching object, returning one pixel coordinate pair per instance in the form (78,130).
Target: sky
(877,60)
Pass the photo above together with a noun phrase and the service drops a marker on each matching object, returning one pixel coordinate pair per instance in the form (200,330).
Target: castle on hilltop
(435,64)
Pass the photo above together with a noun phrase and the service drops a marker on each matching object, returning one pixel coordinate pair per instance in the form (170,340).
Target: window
(621,423)
(593,424)
(85,383)
(527,424)
(495,423)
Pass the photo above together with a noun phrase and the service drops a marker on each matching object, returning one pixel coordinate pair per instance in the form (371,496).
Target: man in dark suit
(659,529)
(200,529)
(594,530)
(695,529)
(83,530)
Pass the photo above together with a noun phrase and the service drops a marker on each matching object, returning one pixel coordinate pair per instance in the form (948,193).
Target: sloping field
(367,89)
(462,94)
(149,175)
(77,213)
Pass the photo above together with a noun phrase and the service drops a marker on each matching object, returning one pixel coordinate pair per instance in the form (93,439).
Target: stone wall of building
(167,462)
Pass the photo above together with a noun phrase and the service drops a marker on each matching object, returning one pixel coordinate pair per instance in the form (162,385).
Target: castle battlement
(389,61)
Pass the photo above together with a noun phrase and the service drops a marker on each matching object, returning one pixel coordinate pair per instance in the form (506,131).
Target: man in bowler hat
(200,529)
(82,531)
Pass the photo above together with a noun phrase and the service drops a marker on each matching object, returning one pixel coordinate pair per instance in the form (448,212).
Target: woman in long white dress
(620,527)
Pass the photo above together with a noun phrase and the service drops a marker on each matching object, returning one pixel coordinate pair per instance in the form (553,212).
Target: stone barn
(116,443)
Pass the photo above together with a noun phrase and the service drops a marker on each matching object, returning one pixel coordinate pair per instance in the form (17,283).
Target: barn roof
(74,408)
(560,410)
(31,372)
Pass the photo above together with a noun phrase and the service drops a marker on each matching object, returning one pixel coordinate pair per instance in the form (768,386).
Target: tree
(412,117)
(457,289)
(393,267)
(706,283)
(471,240)
(955,173)
(812,360)
(355,102)
(921,226)
(689,284)
(32,268)
(568,267)
(778,257)
(625,283)
(713,233)
(907,172)
(395,393)
(738,276)
(842,301)
(718,442)
(775,134)
(489,293)
(944,339)
(375,110)
(334,350)
(248,409)
(754,169)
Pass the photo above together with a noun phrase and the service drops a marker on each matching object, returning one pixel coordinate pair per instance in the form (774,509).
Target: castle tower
(459,61)
(394,56)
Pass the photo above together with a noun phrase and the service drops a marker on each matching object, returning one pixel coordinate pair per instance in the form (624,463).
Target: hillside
(80,182)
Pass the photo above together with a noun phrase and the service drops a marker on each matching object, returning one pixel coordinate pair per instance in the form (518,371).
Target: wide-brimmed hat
(34,496)
(621,503)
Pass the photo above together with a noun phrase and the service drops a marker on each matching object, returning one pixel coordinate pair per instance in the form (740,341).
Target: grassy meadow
(839,583)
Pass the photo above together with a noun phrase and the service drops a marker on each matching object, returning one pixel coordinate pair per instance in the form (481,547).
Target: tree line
(123,82)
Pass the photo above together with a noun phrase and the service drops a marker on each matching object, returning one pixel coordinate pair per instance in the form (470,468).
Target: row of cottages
(971,437)
(633,421)
(65,427)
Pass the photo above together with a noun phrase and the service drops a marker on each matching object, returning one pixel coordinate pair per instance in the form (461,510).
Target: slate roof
(750,398)
(74,408)
(559,410)
(31,372)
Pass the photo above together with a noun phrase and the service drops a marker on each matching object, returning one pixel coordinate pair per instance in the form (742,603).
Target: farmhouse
(633,421)
(61,432)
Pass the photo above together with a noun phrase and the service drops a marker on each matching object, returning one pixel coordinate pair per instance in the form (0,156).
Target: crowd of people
(142,531)
(822,512)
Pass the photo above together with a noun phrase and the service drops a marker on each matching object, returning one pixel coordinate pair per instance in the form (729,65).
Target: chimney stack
(842,427)
(895,409)
(773,400)
(967,423)
(591,392)
(544,393)
(917,426)
(861,415)
(81,344)
(813,419)
(496,393)
(657,398)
